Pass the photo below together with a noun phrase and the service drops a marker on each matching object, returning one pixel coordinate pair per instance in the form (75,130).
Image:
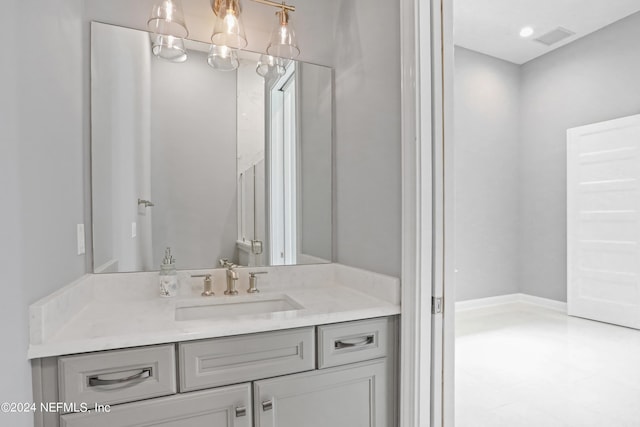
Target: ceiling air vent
(554,36)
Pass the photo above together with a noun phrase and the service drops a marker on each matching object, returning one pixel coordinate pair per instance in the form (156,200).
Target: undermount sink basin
(228,309)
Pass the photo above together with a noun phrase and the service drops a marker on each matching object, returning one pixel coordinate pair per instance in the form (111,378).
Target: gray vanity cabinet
(349,396)
(335,375)
(221,407)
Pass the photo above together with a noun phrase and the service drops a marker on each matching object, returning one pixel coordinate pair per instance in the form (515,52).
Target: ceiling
(492,27)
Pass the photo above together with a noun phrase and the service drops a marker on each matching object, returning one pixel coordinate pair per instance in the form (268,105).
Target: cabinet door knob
(241,411)
(267,405)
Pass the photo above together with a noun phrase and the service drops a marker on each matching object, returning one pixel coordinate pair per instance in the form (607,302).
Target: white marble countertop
(93,315)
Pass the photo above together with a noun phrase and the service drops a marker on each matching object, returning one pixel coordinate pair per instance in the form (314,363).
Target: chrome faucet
(232,278)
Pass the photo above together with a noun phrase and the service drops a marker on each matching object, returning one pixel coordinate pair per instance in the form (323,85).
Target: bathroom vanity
(244,175)
(313,350)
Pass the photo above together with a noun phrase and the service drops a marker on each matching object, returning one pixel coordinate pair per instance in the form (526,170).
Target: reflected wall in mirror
(234,165)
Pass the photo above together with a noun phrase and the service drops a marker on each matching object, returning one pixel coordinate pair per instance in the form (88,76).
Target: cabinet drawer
(220,361)
(117,376)
(351,342)
(227,406)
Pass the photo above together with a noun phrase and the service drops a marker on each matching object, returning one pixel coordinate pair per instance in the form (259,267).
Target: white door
(603,221)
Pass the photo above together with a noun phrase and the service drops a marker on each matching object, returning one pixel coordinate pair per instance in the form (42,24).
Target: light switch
(134,229)
(80,236)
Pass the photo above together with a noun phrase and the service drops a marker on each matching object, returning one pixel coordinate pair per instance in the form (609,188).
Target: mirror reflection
(213,164)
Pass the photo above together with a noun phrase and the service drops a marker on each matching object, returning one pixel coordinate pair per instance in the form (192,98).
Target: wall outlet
(80,236)
(134,230)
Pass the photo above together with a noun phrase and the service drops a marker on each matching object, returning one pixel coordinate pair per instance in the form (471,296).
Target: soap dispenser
(168,275)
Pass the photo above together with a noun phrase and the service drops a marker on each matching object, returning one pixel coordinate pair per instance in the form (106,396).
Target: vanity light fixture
(169,30)
(228,35)
(283,42)
(167,19)
(228,30)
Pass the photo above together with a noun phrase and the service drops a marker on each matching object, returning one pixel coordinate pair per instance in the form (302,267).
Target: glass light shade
(222,58)
(167,19)
(168,47)
(269,65)
(229,29)
(283,42)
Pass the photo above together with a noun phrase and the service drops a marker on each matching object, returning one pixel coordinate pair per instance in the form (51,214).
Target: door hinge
(436,305)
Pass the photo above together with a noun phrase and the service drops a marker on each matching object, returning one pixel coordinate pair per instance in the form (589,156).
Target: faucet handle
(253,273)
(208,284)
(225,263)
(253,281)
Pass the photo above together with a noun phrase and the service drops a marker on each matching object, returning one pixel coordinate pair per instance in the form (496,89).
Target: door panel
(349,396)
(603,221)
(221,407)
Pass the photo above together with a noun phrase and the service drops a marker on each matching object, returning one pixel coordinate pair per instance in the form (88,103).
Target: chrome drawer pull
(350,343)
(267,405)
(241,411)
(96,381)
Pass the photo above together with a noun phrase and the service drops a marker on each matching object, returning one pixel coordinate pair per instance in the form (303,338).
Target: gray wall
(43,134)
(486,172)
(594,79)
(13,366)
(193,162)
(367,120)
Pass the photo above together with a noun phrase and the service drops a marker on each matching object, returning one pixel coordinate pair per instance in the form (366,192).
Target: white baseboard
(551,304)
(511,298)
(473,304)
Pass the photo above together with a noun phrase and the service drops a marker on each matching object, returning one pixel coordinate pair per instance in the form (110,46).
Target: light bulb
(231,22)
(168,6)
(526,32)
(283,42)
(228,29)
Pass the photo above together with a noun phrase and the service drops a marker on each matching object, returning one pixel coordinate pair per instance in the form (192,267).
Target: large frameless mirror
(213,164)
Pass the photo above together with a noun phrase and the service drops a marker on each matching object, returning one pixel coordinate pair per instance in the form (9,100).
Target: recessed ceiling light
(526,32)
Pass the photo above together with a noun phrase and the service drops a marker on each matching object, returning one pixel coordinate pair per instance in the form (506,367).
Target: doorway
(526,74)
(283,169)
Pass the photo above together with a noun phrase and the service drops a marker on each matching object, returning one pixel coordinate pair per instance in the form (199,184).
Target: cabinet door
(221,407)
(349,396)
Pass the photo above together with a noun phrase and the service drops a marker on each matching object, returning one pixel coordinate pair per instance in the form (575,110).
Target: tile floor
(520,365)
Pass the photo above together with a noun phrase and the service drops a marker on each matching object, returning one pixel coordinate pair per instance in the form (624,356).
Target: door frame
(427,339)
